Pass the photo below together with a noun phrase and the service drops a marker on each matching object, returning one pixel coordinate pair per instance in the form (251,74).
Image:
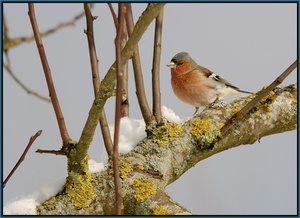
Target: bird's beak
(171,65)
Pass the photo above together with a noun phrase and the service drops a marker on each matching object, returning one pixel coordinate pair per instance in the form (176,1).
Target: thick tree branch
(240,114)
(164,156)
(274,115)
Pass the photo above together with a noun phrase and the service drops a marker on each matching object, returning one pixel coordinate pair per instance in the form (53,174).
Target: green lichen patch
(160,210)
(143,188)
(204,133)
(165,133)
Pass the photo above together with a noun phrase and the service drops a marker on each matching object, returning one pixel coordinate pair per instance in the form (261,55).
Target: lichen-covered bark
(165,155)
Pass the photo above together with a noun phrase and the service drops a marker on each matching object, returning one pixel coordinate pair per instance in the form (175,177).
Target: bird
(197,85)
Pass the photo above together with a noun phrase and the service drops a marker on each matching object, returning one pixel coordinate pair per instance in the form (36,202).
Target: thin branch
(56,152)
(113,13)
(240,114)
(22,158)
(5,27)
(156,67)
(95,75)
(5,36)
(29,91)
(9,43)
(9,70)
(108,83)
(118,41)
(137,69)
(125,105)
(59,116)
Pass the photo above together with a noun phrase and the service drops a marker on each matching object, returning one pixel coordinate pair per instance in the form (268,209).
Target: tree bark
(171,149)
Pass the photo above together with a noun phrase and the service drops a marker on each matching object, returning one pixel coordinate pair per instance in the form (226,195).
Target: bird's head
(182,63)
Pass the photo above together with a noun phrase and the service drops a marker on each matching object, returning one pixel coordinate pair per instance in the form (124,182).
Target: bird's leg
(197,108)
(217,103)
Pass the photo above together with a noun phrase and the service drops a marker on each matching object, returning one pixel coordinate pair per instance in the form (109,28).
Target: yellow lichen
(204,132)
(221,125)
(124,167)
(79,186)
(253,96)
(143,188)
(160,210)
(271,94)
(264,103)
(166,133)
(140,167)
(266,107)
(237,109)
(50,200)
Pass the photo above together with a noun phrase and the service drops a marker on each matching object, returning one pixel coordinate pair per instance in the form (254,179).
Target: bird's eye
(177,62)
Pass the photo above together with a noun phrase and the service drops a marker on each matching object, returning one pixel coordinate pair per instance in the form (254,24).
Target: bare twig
(59,116)
(22,158)
(125,104)
(56,152)
(9,70)
(9,43)
(113,13)
(95,75)
(5,36)
(5,27)
(137,69)
(118,41)
(240,114)
(156,67)
(29,91)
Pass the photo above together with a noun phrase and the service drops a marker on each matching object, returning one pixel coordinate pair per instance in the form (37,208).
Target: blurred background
(249,44)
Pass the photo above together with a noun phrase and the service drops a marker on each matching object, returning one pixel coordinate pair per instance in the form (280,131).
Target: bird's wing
(209,74)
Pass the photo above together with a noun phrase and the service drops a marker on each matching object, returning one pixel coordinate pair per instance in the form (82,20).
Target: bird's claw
(217,104)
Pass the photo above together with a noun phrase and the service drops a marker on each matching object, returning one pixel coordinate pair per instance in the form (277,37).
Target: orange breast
(191,88)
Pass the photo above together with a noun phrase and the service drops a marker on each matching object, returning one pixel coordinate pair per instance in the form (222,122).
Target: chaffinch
(196,85)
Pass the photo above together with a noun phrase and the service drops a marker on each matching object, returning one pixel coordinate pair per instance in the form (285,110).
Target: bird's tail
(245,92)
